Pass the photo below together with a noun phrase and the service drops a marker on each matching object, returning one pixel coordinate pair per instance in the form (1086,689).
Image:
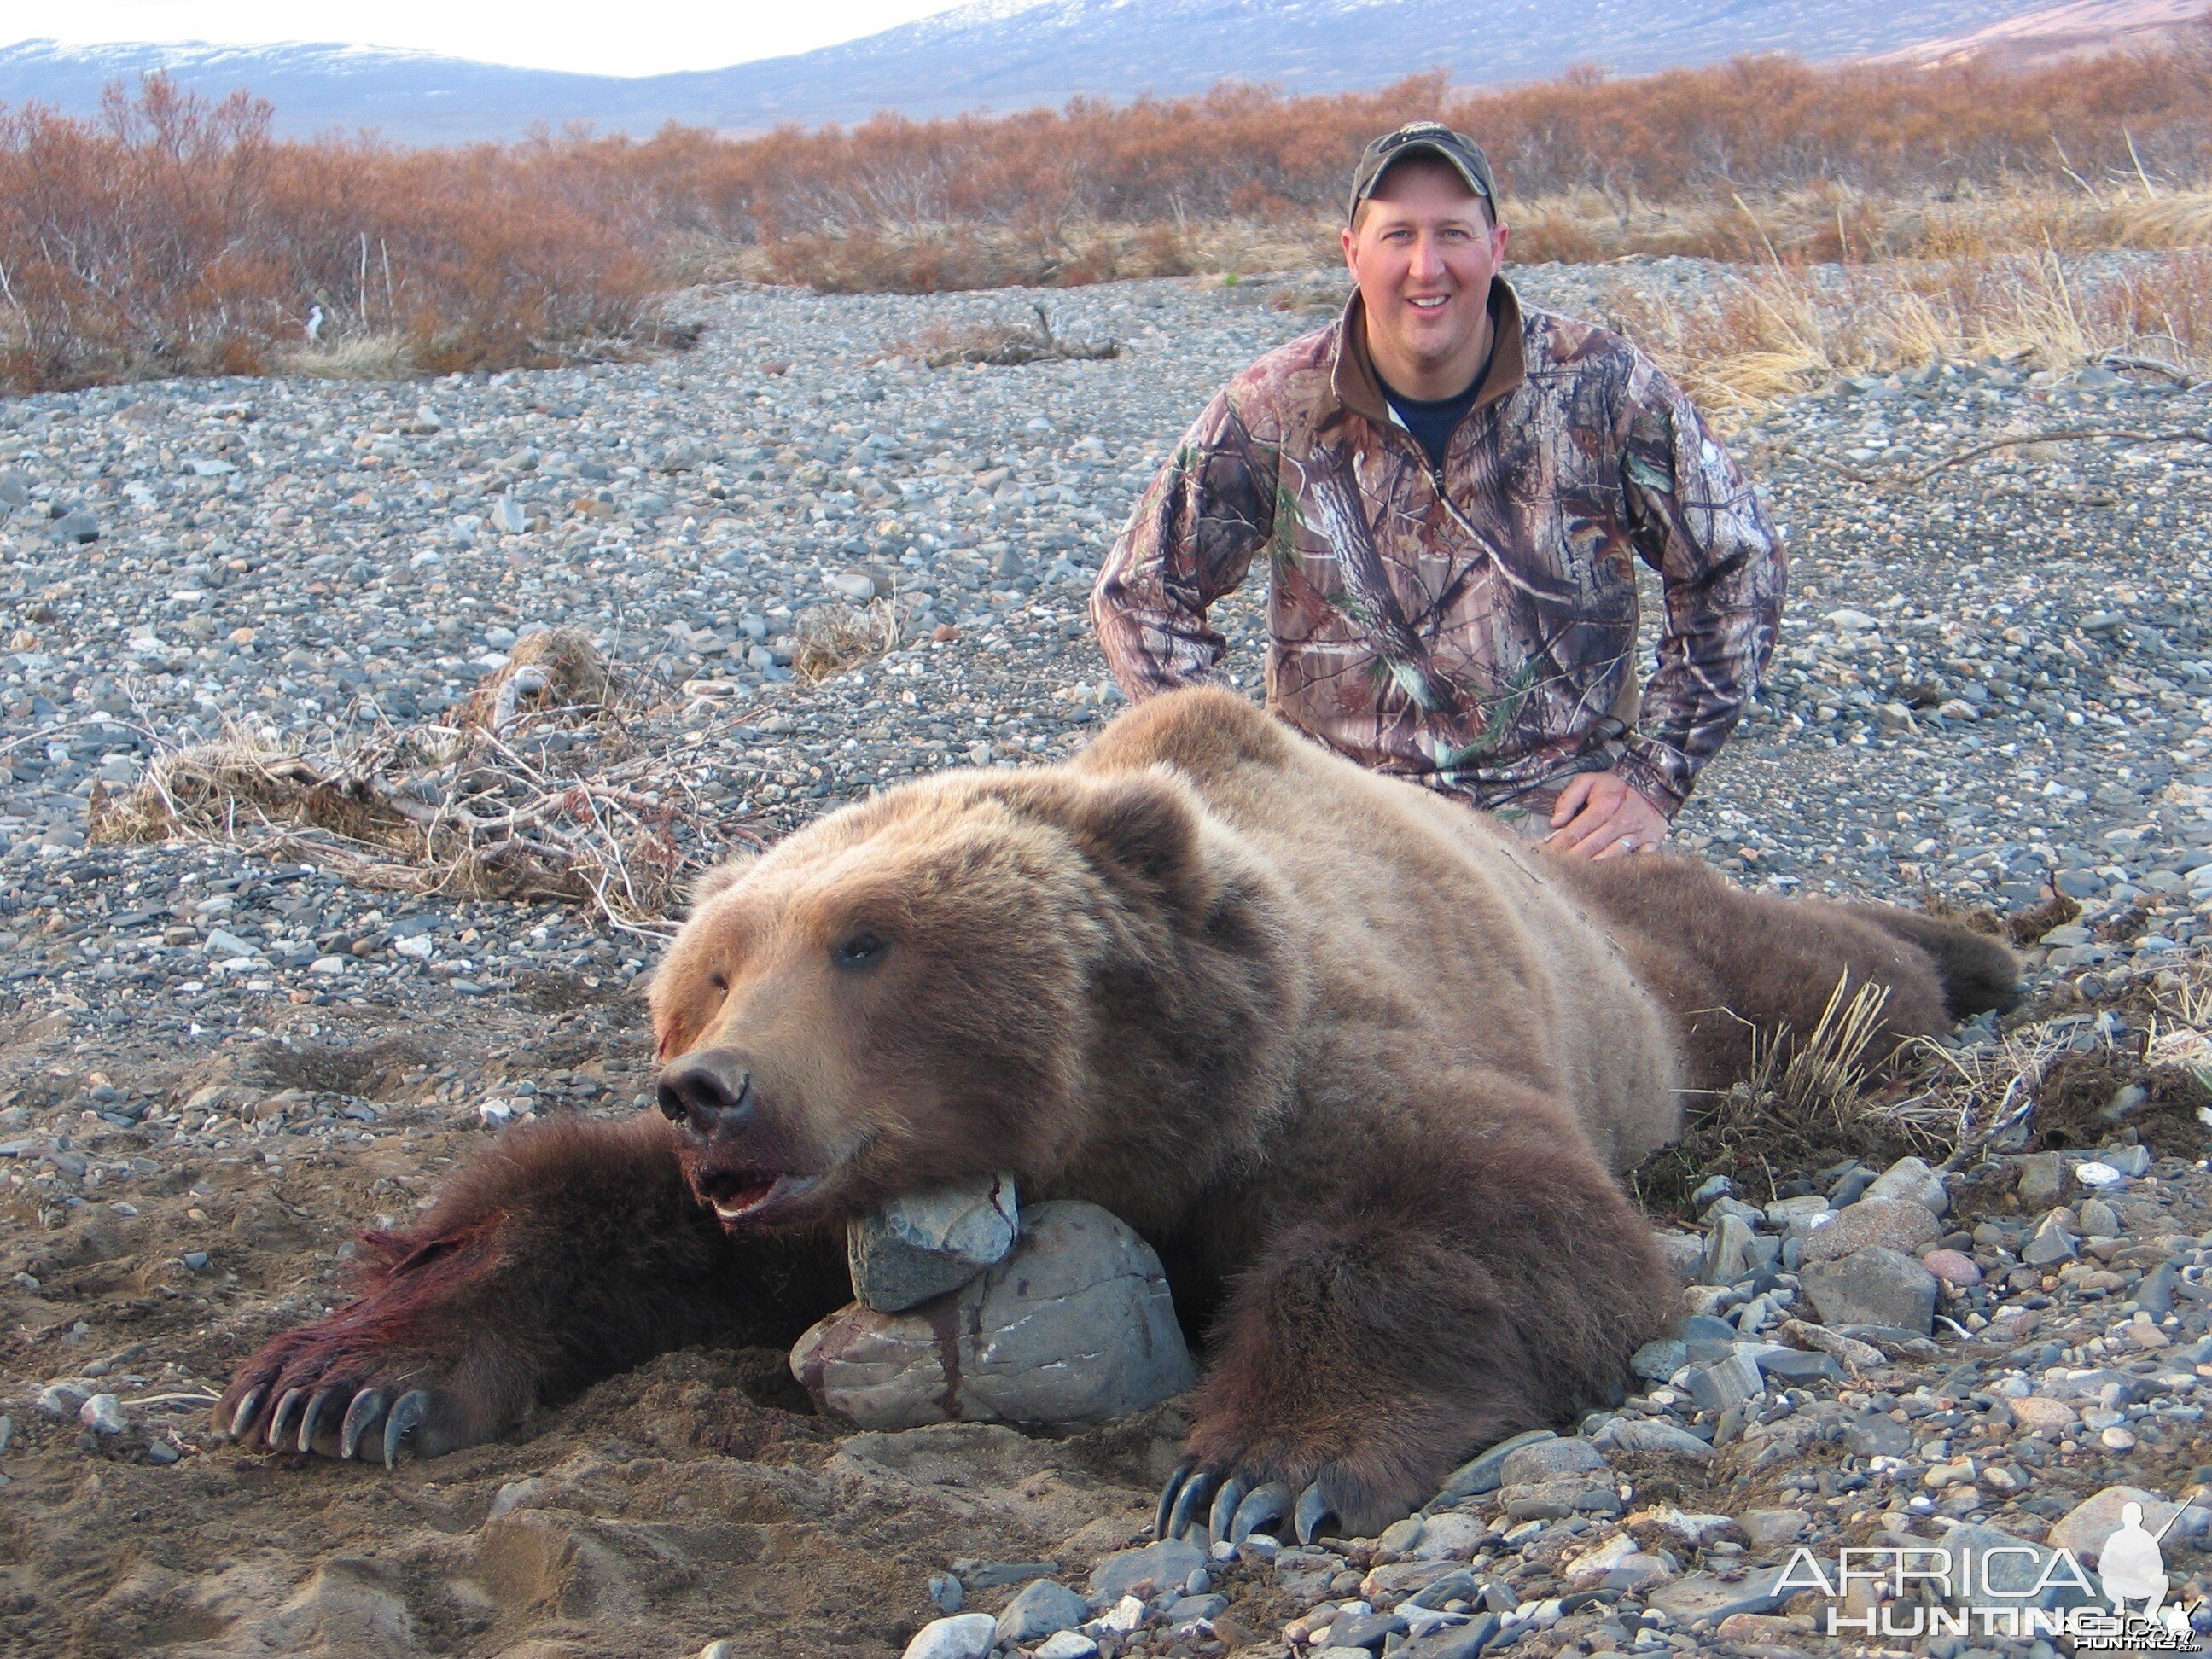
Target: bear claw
(248,1408)
(1313,1509)
(1263,1507)
(407,1416)
(1190,1502)
(362,1418)
(1224,1506)
(1167,1493)
(280,1421)
(312,1418)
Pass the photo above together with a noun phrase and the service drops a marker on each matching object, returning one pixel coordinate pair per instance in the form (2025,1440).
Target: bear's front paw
(320,1389)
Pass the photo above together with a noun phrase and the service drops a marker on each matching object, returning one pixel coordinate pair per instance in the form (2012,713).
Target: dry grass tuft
(829,640)
(1782,328)
(361,357)
(2048,1080)
(1822,1075)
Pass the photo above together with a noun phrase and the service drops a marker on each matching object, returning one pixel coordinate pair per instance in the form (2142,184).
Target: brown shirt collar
(1359,389)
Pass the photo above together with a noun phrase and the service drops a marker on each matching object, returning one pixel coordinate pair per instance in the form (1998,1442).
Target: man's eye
(860,951)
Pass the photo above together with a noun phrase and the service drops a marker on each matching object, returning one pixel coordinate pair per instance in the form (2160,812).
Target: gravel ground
(1994,682)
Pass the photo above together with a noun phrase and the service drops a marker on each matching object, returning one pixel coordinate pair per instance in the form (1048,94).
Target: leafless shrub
(942,343)
(456,809)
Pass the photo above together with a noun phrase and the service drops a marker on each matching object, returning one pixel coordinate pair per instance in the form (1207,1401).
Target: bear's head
(1043,972)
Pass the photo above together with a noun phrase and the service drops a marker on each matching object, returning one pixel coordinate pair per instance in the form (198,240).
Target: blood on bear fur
(1362,1066)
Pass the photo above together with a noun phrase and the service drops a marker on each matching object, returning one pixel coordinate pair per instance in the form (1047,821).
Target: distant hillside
(1007,54)
(2071,28)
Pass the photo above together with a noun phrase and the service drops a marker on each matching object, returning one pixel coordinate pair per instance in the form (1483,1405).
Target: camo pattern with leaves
(1476,637)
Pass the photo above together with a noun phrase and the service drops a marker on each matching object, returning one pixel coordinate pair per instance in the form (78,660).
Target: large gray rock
(1874,1287)
(1043,1609)
(1913,1181)
(1682,1252)
(1485,1472)
(2011,1574)
(2053,1242)
(2089,1523)
(969,1636)
(2042,1179)
(1894,1224)
(1146,1572)
(1727,1252)
(1706,1596)
(926,1244)
(1076,1325)
(1652,1434)
(1552,1460)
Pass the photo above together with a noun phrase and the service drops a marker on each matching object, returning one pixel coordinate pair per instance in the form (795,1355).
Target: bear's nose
(711,1091)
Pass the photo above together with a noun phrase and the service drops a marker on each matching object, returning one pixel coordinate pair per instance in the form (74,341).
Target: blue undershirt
(1433,424)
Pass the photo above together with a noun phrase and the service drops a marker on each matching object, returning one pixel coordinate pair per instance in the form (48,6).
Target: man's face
(1423,256)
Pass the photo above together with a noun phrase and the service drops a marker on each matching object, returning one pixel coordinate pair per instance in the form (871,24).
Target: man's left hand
(1598,815)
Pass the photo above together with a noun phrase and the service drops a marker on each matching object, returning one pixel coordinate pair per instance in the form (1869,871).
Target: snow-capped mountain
(1007,54)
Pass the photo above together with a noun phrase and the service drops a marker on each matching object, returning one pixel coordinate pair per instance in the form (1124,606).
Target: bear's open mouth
(738,1194)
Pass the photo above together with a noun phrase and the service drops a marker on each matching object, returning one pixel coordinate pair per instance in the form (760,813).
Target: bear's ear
(1142,829)
(723,877)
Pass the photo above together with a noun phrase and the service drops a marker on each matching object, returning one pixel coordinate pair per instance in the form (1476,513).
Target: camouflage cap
(1422,138)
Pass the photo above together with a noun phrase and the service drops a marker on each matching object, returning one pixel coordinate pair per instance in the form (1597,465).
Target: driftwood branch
(2064,435)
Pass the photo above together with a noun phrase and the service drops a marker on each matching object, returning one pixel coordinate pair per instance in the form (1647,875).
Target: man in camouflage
(1449,492)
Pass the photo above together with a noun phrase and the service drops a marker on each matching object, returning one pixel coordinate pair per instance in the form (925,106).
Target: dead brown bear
(1359,1065)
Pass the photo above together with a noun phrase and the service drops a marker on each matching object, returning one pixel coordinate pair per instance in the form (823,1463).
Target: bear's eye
(860,951)
(718,982)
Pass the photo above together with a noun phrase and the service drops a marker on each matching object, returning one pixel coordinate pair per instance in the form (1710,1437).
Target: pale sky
(627,37)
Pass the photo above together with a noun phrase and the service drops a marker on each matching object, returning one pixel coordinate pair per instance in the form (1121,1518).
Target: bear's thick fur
(1361,1066)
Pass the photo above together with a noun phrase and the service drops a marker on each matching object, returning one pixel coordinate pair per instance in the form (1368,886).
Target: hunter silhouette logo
(2133,1567)
(2005,1587)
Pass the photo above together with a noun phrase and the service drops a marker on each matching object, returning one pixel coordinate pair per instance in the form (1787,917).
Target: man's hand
(1598,815)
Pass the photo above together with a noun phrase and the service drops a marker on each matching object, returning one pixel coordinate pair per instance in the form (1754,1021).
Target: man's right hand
(1600,815)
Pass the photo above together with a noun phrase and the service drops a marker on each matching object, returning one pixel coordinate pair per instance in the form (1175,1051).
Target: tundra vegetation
(1883,216)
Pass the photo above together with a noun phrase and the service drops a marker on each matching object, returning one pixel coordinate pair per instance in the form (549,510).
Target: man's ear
(723,877)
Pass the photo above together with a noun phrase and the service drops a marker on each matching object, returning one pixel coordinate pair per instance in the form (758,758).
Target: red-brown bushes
(172,234)
(175,235)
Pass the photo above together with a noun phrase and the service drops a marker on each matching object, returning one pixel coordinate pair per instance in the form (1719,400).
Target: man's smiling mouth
(1428,303)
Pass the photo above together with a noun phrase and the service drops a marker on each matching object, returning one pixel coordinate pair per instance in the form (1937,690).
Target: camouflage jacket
(1473,631)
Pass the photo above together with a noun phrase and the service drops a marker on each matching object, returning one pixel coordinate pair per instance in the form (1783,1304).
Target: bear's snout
(710,1091)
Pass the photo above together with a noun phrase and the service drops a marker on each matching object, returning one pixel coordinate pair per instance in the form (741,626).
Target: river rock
(2084,1528)
(2017,1566)
(1076,1325)
(968,1636)
(1485,1472)
(1650,1434)
(1043,1609)
(1727,1252)
(1912,1180)
(1165,1565)
(926,1244)
(1875,1287)
(1552,1460)
(1890,1223)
